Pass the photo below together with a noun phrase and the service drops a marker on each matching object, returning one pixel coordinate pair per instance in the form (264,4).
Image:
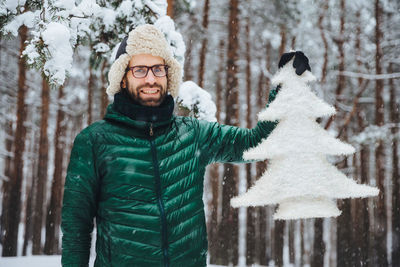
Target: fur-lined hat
(145,39)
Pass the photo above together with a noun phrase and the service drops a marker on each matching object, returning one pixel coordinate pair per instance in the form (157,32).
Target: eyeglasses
(142,71)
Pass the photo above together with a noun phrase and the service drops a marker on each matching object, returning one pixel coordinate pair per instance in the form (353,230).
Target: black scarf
(125,105)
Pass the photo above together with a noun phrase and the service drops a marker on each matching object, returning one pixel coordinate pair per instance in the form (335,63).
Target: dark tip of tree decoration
(300,62)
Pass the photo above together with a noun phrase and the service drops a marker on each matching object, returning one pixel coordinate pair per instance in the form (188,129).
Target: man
(139,171)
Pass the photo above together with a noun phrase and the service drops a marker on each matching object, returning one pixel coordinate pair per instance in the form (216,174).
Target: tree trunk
(278,242)
(292,245)
(341,79)
(319,245)
(54,209)
(344,225)
(340,44)
(344,240)
(104,97)
(228,229)
(394,118)
(13,210)
(250,231)
(28,218)
(90,95)
(325,42)
(263,251)
(280,225)
(214,170)
(41,178)
(219,87)
(361,228)
(170,8)
(203,50)
(302,246)
(293,43)
(7,174)
(282,46)
(261,236)
(381,217)
(30,192)
(363,209)
(189,52)
(263,254)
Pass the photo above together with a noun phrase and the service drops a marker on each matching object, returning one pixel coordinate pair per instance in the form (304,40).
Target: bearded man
(139,172)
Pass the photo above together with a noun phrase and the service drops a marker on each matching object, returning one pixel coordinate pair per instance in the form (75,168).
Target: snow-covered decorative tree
(299,177)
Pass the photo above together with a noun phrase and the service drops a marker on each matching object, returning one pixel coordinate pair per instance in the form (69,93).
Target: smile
(149,91)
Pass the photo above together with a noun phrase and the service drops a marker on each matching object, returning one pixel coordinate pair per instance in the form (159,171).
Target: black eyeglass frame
(147,70)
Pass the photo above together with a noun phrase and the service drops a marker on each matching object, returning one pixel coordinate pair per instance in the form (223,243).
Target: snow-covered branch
(197,100)
(369,76)
(373,133)
(59,26)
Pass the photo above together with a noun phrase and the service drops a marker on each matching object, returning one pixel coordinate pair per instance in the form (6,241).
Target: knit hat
(144,39)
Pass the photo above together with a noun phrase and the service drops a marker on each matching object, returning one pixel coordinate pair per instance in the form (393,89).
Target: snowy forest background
(232,50)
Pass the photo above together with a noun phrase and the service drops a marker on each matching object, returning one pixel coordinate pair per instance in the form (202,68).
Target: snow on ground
(43,261)
(32,261)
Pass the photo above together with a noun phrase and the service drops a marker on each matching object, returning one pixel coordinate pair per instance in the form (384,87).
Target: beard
(143,99)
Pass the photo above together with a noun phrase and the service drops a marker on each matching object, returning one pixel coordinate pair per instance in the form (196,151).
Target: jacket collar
(125,105)
(125,110)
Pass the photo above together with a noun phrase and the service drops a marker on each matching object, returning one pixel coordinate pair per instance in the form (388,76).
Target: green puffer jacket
(144,185)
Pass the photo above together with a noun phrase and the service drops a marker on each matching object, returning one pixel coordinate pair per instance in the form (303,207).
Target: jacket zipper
(151,129)
(160,203)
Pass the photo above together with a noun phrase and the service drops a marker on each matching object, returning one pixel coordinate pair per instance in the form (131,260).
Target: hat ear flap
(174,77)
(285,58)
(121,48)
(116,74)
(300,63)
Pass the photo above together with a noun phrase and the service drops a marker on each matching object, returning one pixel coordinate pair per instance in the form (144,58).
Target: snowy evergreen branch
(197,101)
(57,27)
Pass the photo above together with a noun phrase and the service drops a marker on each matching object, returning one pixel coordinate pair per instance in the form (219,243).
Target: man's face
(150,90)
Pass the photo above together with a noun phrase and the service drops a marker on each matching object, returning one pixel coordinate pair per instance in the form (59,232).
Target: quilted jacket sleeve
(224,143)
(79,203)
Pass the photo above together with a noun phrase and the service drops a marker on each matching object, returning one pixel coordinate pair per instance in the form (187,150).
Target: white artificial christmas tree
(299,177)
